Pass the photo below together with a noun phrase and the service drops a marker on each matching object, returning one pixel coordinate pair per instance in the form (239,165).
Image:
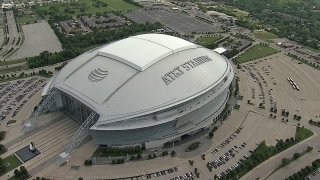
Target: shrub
(211,134)
(191,162)
(139,156)
(150,156)
(165,153)
(173,153)
(296,155)
(88,162)
(2,135)
(285,161)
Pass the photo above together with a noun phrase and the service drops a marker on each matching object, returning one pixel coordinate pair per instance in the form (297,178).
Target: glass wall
(77,110)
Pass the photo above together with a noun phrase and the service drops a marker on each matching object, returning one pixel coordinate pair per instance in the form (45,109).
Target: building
(147,90)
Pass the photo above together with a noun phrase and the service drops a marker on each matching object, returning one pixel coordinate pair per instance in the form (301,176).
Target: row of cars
(35,87)
(233,135)
(231,153)
(14,92)
(186,176)
(160,173)
(232,168)
(314,173)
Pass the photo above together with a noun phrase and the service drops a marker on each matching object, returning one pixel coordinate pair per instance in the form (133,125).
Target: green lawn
(11,162)
(208,39)
(265,35)
(232,11)
(120,5)
(87,7)
(302,133)
(312,49)
(256,52)
(27,19)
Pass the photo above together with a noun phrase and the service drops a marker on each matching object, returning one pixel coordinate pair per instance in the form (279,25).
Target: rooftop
(155,46)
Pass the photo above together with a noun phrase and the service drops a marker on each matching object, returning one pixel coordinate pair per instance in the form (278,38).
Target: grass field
(302,133)
(256,52)
(265,35)
(207,39)
(11,162)
(87,7)
(232,12)
(312,49)
(27,19)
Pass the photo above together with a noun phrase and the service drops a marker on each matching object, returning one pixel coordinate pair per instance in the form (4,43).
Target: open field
(39,37)
(87,7)
(232,11)
(256,52)
(174,20)
(11,162)
(26,16)
(312,49)
(265,35)
(207,39)
(27,19)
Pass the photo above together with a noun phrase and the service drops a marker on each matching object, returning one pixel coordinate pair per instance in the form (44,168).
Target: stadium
(145,90)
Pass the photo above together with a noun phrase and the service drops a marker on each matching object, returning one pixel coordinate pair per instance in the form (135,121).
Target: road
(13,33)
(264,170)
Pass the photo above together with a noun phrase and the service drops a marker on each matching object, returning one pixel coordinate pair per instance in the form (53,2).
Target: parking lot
(14,95)
(37,36)
(176,21)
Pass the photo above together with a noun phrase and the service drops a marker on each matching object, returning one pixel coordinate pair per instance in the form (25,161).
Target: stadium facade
(147,89)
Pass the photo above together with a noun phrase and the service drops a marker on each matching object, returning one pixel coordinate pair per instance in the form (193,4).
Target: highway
(13,33)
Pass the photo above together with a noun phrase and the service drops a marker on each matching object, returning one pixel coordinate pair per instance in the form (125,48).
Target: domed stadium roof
(140,75)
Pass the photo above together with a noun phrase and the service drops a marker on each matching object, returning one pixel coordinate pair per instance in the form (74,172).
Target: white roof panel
(142,51)
(220,50)
(170,42)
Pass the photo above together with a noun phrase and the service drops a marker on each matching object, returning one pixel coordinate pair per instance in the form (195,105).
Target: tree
(139,156)
(287,113)
(285,161)
(17,173)
(309,149)
(173,153)
(296,155)
(211,134)
(150,156)
(88,162)
(2,149)
(165,153)
(191,162)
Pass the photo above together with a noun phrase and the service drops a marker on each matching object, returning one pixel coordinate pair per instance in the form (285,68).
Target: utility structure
(79,135)
(77,138)
(42,108)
